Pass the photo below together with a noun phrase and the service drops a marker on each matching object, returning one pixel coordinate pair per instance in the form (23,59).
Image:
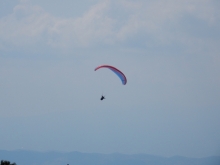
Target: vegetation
(4,162)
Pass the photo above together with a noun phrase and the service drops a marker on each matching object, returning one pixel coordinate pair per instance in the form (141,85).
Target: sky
(50,94)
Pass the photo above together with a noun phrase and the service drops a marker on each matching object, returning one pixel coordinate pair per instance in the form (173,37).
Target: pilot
(102,98)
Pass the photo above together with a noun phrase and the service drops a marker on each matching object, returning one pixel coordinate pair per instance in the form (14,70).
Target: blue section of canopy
(120,75)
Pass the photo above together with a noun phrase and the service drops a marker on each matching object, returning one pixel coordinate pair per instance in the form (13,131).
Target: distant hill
(22,157)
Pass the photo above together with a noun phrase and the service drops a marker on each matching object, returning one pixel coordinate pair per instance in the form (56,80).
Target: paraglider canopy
(116,71)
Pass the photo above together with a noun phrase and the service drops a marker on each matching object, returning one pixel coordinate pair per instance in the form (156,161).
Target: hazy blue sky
(49,92)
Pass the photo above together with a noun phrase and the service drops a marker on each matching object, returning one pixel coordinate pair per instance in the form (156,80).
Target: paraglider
(116,71)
